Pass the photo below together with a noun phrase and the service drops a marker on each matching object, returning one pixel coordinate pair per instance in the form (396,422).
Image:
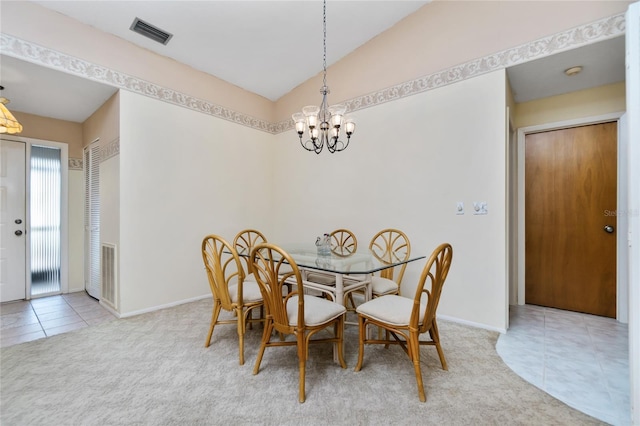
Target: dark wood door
(570,197)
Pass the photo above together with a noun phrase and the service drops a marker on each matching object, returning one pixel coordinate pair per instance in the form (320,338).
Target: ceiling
(276,46)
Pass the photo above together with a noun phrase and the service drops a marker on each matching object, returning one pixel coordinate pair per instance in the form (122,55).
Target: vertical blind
(46,181)
(92,219)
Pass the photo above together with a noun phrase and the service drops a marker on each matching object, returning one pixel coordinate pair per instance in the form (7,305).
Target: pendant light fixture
(8,123)
(325,122)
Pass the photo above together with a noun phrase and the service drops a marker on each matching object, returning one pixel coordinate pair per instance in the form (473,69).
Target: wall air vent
(148,30)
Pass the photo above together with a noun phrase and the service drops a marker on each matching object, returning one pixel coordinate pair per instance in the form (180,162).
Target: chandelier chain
(324,44)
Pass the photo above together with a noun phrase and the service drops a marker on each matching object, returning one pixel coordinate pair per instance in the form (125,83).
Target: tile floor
(580,359)
(23,321)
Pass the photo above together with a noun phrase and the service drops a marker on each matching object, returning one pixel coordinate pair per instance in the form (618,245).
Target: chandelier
(324,122)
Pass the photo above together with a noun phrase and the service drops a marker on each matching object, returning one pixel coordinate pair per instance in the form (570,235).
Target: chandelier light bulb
(349,126)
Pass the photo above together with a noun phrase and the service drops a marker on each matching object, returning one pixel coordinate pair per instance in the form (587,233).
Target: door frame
(622,285)
(64,209)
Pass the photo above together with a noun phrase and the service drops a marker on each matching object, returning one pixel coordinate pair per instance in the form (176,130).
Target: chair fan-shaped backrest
(391,245)
(430,285)
(223,268)
(274,270)
(246,240)
(343,242)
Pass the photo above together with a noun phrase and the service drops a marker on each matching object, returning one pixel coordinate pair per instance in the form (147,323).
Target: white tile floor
(23,321)
(583,360)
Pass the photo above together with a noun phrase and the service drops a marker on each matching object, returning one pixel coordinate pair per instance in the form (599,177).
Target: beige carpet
(153,369)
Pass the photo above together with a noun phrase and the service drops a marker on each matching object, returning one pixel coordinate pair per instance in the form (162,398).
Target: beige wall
(584,103)
(435,149)
(104,123)
(439,35)
(177,184)
(442,34)
(31,22)
(50,129)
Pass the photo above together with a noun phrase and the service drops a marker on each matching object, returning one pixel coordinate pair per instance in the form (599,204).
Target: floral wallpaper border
(600,30)
(110,149)
(75,163)
(107,151)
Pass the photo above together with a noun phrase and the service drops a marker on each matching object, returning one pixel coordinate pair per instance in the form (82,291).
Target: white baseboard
(157,308)
(471,323)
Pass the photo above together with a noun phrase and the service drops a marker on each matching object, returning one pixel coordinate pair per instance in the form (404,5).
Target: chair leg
(266,336)
(435,336)
(361,335)
(214,319)
(414,354)
(353,303)
(339,333)
(241,331)
(387,336)
(302,362)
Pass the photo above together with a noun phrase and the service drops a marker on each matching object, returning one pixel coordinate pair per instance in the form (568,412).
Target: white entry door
(13,239)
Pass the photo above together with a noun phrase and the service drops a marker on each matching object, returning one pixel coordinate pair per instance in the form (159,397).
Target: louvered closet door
(92,219)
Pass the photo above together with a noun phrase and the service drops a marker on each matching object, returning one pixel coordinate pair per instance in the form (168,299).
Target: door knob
(18,221)
(18,232)
(608,229)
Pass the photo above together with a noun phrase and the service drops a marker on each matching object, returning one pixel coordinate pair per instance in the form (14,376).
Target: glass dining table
(341,271)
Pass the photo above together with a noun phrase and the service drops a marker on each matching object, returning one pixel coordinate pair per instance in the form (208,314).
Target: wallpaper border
(75,163)
(600,30)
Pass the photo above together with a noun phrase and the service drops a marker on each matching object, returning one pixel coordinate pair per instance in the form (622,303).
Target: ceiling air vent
(148,30)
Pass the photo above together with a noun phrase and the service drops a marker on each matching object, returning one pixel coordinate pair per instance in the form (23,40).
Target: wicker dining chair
(389,245)
(297,314)
(229,289)
(243,242)
(406,319)
(343,244)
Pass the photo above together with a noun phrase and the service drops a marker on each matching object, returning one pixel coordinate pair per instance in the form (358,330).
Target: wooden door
(570,197)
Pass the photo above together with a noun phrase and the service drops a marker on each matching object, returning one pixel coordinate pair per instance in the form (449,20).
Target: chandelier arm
(346,144)
(338,145)
(310,145)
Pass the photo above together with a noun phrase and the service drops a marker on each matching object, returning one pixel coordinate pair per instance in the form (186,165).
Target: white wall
(408,164)
(633,111)
(183,175)
(76,230)
(110,205)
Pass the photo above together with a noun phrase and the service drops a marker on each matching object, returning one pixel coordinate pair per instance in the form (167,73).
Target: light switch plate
(480,207)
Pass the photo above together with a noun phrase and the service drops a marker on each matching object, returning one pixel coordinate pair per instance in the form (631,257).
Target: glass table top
(362,261)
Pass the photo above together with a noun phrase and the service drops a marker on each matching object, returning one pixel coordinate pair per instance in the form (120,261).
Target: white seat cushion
(250,277)
(392,309)
(381,285)
(250,292)
(316,310)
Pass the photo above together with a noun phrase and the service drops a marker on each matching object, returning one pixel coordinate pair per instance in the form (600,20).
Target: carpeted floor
(153,369)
